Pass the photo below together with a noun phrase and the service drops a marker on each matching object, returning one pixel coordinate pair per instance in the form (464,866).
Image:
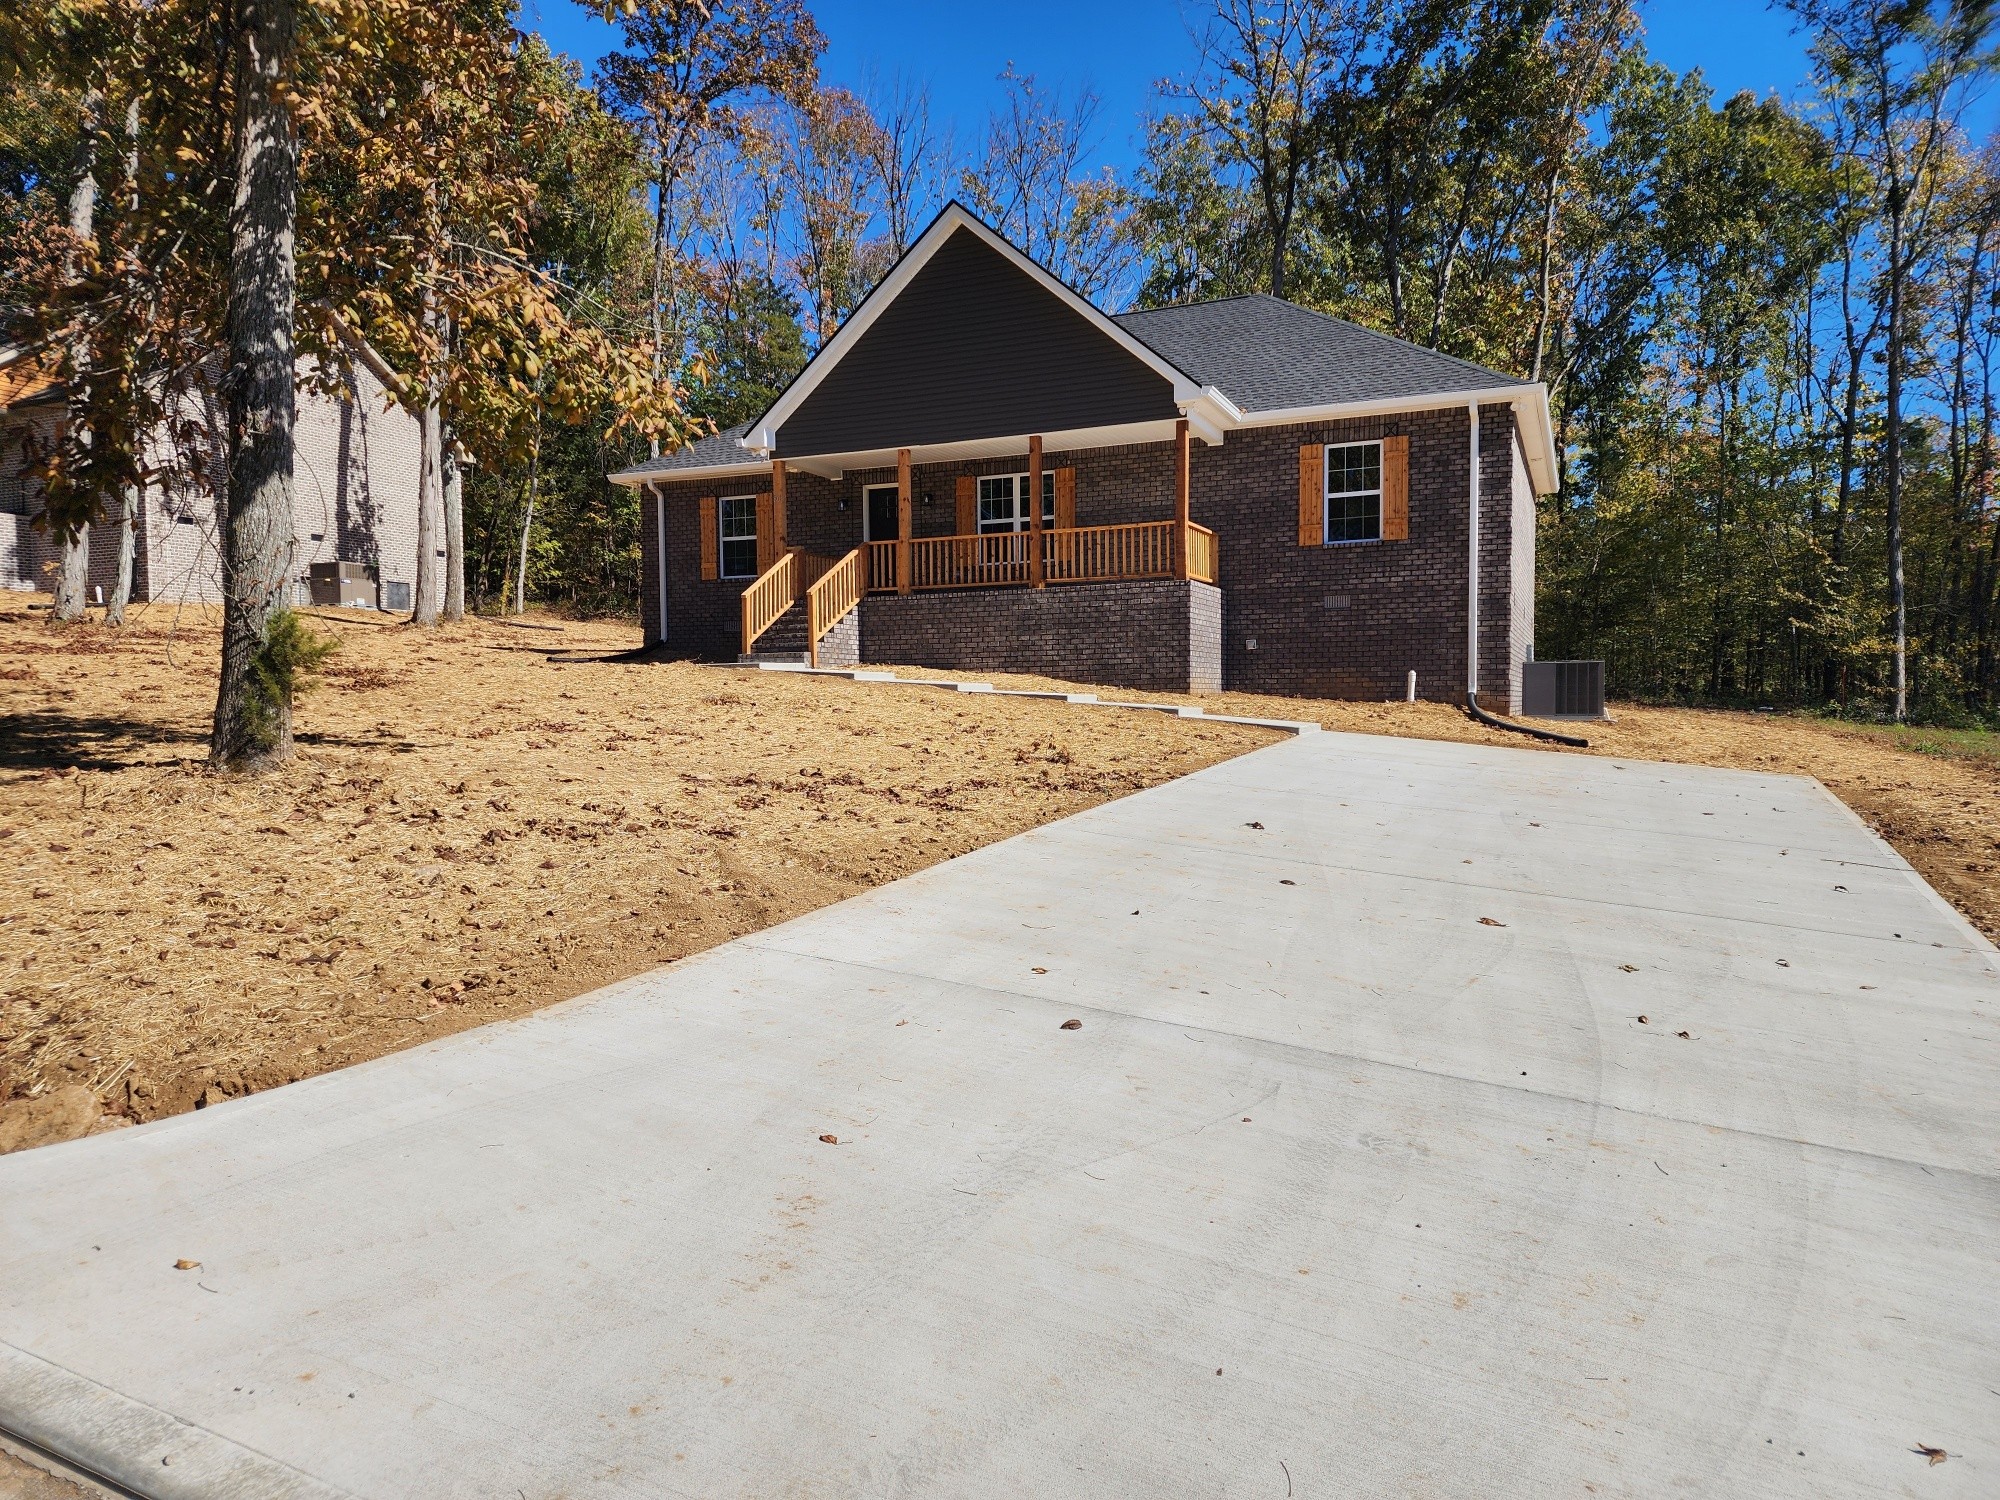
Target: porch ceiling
(834,465)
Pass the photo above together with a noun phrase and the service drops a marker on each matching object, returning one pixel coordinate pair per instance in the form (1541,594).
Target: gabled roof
(1266,354)
(1236,362)
(954,219)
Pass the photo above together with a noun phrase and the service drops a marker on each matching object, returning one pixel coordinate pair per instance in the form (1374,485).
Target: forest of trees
(1767,324)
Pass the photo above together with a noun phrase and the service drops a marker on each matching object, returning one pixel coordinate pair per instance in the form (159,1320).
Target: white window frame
(1327,537)
(723,538)
(1020,521)
(867,535)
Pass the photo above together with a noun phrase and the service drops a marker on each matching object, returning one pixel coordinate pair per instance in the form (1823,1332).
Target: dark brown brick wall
(1337,622)
(1350,621)
(1154,634)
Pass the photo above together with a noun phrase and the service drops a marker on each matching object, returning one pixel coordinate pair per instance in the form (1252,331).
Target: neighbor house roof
(1238,362)
(23,379)
(1266,354)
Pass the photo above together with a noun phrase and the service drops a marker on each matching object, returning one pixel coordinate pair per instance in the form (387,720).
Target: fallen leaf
(1287,882)
(1038,971)
(187,1265)
(902,1023)
(1072,1025)
(831,1140)
(1628,968)
(1489,922)
(1932,1456)
(1683,1036)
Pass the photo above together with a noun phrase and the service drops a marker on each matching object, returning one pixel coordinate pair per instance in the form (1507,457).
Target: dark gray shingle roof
(716,449)
(1265,354)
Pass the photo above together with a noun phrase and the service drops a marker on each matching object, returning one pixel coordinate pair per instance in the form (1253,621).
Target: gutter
(1472,707)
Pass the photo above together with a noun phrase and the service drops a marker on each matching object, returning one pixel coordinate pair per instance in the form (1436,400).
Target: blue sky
(1122,48)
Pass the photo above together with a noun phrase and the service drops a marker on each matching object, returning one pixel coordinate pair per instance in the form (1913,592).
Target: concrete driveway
(1362,1176)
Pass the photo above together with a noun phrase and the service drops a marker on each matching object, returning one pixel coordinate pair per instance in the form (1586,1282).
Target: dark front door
(882,521)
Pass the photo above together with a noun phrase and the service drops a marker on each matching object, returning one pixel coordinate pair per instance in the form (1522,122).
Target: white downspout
(660,516)
(1472,561)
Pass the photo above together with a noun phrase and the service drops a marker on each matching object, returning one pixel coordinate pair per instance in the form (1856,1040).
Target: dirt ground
(490,818)
(469,830)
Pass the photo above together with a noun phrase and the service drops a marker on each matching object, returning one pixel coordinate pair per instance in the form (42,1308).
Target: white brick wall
(355,492)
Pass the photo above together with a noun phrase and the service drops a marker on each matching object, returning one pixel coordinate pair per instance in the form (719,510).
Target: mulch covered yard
(472,830)
(469,831)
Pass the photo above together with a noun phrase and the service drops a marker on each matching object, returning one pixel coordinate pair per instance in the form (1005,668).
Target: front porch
(802,597)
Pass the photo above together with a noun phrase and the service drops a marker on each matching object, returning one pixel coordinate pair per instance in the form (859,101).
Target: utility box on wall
(351,584)
(1562,689)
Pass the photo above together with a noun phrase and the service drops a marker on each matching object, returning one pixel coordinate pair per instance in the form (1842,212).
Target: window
(1353,492)
(737,515)
(1003,502)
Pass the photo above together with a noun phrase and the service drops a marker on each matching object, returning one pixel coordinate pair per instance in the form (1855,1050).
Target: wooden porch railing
(777,589)
(830,599)
(769,597)
(1202,558)
(1080,554)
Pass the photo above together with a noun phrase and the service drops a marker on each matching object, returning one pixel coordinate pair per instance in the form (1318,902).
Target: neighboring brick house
(1241,494)
(354,497)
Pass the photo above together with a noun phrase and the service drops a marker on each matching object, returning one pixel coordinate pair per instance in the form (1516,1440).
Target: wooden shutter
(767,532)
(1065,499)
(1312,494)
(711,532)
(1395,489)
(968,505)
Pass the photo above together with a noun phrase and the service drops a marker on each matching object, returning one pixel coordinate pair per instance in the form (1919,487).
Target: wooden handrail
(1076,554)
(1202,558)
(830,598)
(774,591)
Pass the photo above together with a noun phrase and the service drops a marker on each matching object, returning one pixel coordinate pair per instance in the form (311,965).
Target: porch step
(785,641)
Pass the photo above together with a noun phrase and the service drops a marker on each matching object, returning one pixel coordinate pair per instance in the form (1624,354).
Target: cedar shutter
(711,533)
(968,505)
(1312,494)
(1395,489)
(767,532)
(1065,499)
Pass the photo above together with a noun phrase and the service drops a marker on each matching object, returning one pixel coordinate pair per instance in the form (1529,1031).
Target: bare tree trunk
(528,520)
(430,487)
(132,496)
(1892,458)
(454,529)
(251,729)
(121,581)
(73,548)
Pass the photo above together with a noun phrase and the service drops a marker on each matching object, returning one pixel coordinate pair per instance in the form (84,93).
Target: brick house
(354,497)
(1240,494)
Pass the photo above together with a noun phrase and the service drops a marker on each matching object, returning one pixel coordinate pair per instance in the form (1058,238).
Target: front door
(880,502)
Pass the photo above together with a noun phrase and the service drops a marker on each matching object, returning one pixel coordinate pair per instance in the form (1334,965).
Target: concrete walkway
(1361,1177)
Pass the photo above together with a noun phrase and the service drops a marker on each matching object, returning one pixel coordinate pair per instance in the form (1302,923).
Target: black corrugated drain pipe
(1472,707)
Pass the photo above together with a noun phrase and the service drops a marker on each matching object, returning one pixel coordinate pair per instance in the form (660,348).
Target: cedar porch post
(1035,570)
(1181,499)
(778,504)
(902,520)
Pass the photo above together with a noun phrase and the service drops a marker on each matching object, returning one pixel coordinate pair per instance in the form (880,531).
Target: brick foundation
(1156,634)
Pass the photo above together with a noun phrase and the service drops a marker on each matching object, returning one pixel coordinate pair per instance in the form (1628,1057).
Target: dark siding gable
(973,348)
